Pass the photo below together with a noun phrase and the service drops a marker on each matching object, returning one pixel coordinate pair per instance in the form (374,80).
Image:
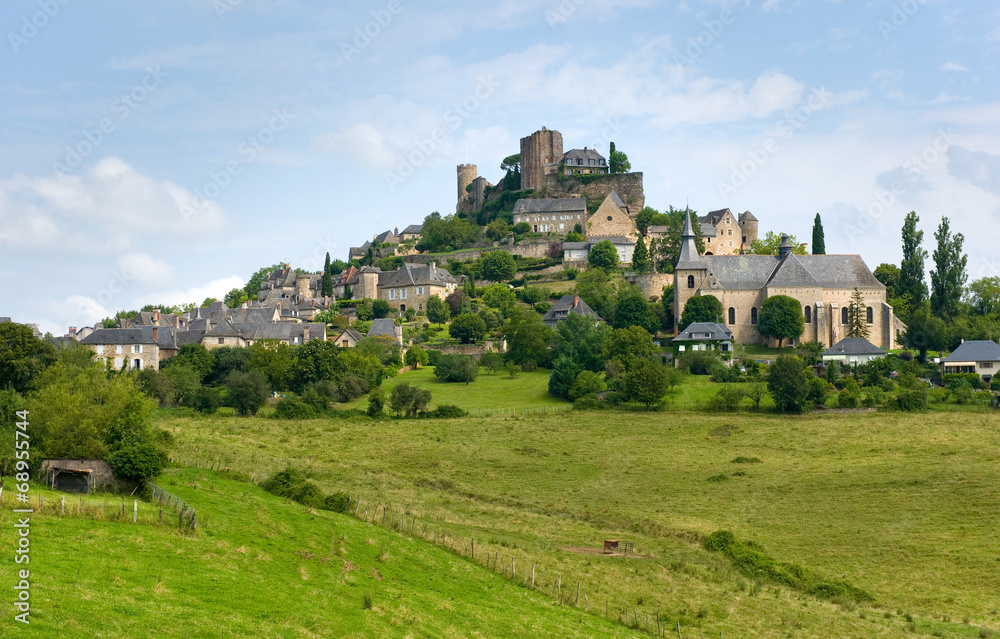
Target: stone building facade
(612,218)
(551,215)
(541,154)
(726,233)
(411,285)
(128,348)
(823,284)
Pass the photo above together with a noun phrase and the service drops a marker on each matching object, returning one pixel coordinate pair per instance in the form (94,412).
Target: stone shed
(78,475)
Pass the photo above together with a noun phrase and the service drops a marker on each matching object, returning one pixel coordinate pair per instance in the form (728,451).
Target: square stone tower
(541,153)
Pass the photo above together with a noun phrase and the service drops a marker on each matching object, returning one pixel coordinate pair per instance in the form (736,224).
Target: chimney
(156,317)
(433,269)
(576,301)
(395,231)
(72,331)
(155,331)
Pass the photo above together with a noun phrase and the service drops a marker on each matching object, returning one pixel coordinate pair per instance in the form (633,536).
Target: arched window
(753,315)
(732,315)
(871,315)
(845,316)
(809,314)
(690,281)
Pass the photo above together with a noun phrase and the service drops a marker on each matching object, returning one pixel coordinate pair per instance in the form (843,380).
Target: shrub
(587,402)
(294,408)
(207,400)
(416,355)
(722,374)
(292,484)
(136,461)
(727,399)
(787,382)
(380,308)
(407,399)
(247,391)
(457,368)
(445,411)
(818,389)
(376,401)
(847,398)
(698,362)
(587,383)
(433,356)
(747,460)
(467,328)
(954,381)
(337,502)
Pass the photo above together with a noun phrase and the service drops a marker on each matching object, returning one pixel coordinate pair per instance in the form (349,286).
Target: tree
(497,229)
(376,401)
(247,391)
(314,361)
(603,255)
(582,341)
(498,266)
(769,245)
(889,275)
(529,340)
(437,310)
(819,240)
(511,163)
(456,368)
(273,359)
(226,359)
(780,318)
(137,460)
(644,219)
(587,383)
(327,283)
(701,308)
(644,381)
(924,332)
(23,357)
(624,344)
(500,297)
(193,356)
(467,328)
(911,269)
(640,257)
(786,379)
(949,276)
(618,161)
(857,316)
(984,295)
(450,233)
(521,228)
(407,399)
(667,302)
(632,309)
(563,376)
(416,356)
(257,279)
(599,292)
(491,361)
(380,308)
(234,298)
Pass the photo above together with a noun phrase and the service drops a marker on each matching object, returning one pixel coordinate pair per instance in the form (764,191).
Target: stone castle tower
(467,173)
(541,153)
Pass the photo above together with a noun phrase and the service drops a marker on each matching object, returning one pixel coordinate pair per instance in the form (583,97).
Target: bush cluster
(292,484)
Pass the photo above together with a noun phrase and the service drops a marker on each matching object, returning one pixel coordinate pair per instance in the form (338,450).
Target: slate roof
(225,328)
(705,331)
(550,205)
(750,272)
(350,332)
(257,315)
(569,304)
(585,155)
(713,217)
(689,258)
(118,336)
(413,229)
(384,326)
(708,230)
(387,237)
(410,274)
(183,338)
(747,216)
(853,346)
(975,350)
(616,199)
(166,337)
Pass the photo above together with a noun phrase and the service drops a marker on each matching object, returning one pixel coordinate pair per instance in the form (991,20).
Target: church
(823,284)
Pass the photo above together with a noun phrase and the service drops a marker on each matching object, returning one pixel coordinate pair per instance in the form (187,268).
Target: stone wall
(102,478)
(468,349)
(527,248)
(627,185)
(652,283)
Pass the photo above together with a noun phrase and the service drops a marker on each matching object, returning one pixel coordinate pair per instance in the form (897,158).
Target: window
(545,228)
(579,162)
(536,228)
(732,316)
(562,226)
(118,349)
(730,232)
(222,340)
(845,316)
(402,293)
(592,163)
(610,218)
(602,162)
(870,315)
(690,281)
(753,315)
(100,349)
(136,348)
(392,293)
(809,314)
(420,290)
(985,364)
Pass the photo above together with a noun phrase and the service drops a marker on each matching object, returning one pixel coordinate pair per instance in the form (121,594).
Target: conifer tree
(819,241)
(857,316)
(640,257)
(327,285)
(911,269)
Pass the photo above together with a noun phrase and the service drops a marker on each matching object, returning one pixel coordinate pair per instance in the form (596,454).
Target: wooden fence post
(577,603)
(161,514)
(559,586)
(532,575)
(513,569)
(472,546)
(64,504)
(135,511)
(356,509)
(366,512)
(679,629)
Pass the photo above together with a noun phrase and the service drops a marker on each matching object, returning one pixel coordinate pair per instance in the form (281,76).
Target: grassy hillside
(904,507)
(258,567)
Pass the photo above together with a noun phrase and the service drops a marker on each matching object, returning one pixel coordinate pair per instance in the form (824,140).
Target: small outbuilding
(568,304)
(852,350)
(703,336)
(78,475)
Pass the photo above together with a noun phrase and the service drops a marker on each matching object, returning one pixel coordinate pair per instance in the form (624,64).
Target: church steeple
(689,257)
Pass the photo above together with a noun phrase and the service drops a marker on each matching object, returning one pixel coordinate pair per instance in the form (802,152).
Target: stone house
(551,215)
(568,304)
(358,252)
(386,327)
(348,339)
(703,336)
(387,237)
(411,232)
(981,357)
(411,285)
(612,218)
(824,284)
(584,162)
(726,233)
(852,350)
(129,348)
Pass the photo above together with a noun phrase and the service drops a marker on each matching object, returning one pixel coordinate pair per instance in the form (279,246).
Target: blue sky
(162,152)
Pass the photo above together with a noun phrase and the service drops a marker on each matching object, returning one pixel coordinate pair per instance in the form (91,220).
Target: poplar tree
(819,242)
(911,269)
(327,284)
(640,257)
(949,276)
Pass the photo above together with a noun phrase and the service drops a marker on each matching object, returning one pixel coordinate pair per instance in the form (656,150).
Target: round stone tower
(749,225)
(467,173)
(302,285)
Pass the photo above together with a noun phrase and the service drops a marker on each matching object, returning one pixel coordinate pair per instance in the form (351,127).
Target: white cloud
(105,207)
(953,66)
(363,141)
(145,269)
(215,288)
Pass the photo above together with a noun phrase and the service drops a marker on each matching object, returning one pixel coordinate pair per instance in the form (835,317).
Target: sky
(162,152)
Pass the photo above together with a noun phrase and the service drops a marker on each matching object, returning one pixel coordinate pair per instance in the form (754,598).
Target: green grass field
(497,391)
(259,567)
(905,507)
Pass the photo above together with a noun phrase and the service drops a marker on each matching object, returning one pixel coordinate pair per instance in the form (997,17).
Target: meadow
(903,507)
